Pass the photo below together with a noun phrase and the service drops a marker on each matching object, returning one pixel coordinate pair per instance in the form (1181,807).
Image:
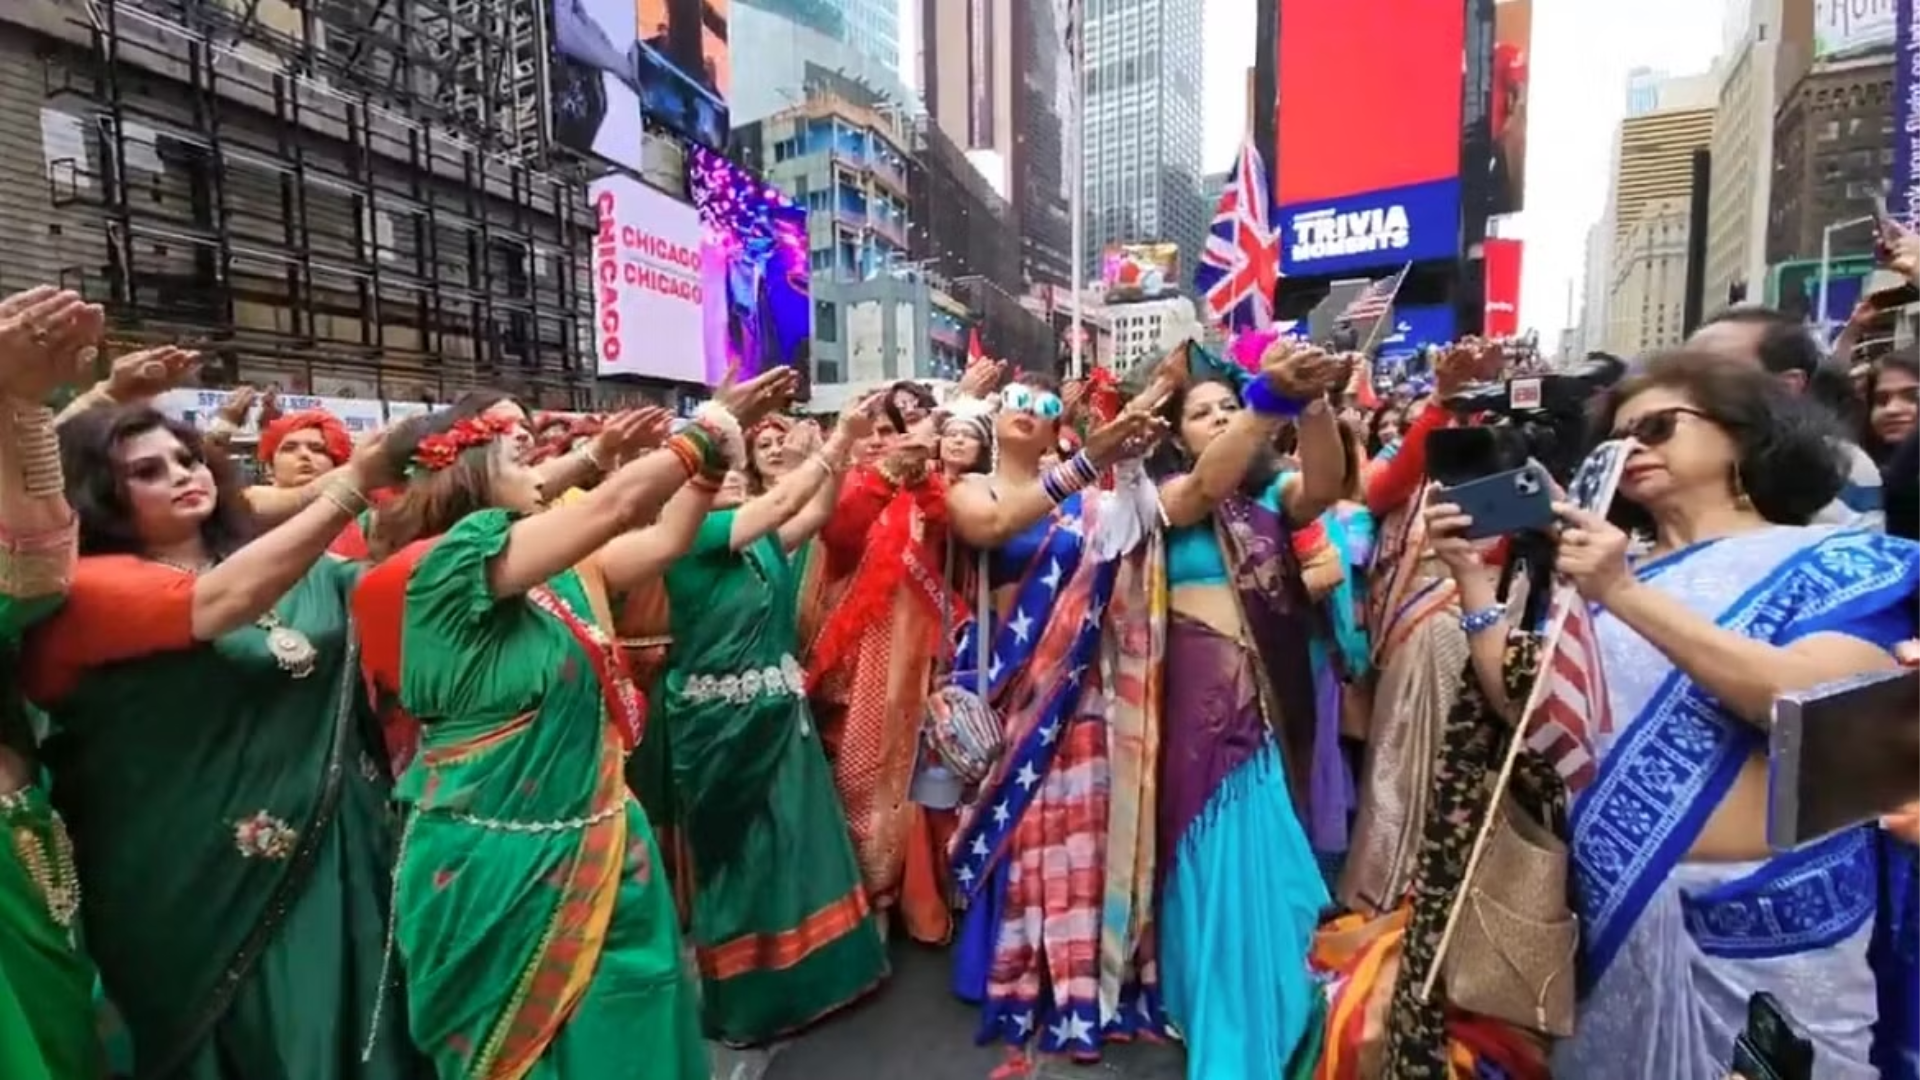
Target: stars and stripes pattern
(1241,262)
(1376,300)
(1574,715)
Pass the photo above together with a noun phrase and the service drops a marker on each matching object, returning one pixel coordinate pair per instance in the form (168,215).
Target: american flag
(1376,299)
(1241,262)
(1574,714)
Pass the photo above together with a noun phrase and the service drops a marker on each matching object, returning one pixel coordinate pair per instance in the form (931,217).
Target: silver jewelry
(291,649)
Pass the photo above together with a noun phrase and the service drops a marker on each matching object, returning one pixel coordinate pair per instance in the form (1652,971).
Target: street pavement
(914,1029)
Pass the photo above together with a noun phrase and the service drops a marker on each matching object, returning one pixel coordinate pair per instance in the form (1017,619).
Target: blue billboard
(1413,327)
(1359,233)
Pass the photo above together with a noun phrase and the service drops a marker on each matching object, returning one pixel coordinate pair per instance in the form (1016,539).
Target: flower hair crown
(436,452)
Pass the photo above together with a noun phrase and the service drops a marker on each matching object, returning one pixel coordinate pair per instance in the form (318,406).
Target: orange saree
(870,670)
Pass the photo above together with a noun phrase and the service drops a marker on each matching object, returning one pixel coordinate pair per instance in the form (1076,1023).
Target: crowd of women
(1174,707)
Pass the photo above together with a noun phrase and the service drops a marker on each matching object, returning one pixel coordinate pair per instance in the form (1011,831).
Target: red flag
(974,351)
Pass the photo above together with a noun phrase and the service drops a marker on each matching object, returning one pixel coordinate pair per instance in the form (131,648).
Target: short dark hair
(1785,343)
(98,493)
(1790,461)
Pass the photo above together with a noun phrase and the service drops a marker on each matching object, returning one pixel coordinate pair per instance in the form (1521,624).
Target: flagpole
(1077,194)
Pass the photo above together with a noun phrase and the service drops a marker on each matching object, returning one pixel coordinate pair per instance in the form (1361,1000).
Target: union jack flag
(1374,301)
(1241,262)
(1574,715)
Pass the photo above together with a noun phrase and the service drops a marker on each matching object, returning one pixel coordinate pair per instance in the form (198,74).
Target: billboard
(754,265)
(1501,270)
(596,92)
(1851,27)
(647,283)
(1140,271)
(1367,179)
(1512,36)
(683,68)
(1415,326)
(1904,202)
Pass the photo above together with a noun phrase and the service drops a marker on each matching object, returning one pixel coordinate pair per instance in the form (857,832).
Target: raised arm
(986,519)
(135,378)
(540,546)
(814,483)
(1323,464)
(639,555)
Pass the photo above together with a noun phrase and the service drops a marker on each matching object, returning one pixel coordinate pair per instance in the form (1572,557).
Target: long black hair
(98,493)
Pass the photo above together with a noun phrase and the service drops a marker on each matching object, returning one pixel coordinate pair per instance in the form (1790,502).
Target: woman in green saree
(209,748)
(780,922)
(46,1007)
(532,916)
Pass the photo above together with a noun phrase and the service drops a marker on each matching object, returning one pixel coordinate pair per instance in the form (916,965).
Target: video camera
(1540,418)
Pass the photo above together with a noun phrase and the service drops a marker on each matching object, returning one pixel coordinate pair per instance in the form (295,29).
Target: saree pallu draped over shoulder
(237,808)
(1029,857)
(1671,948)
(533,921)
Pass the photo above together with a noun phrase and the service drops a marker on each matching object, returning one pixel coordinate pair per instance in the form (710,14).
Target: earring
(1740,498)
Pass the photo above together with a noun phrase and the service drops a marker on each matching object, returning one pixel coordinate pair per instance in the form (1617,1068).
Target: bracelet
(38,443)
(696,448)
(588,454)
(1061,481)
(342,494)
(720,421)
(1267,401)
(1479,622)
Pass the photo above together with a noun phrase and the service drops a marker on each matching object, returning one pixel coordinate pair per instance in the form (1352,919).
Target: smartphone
(1515,501)
(1885,228)
(1771,1046)
(1842,753)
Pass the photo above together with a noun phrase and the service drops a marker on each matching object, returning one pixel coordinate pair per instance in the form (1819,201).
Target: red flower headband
(437,452)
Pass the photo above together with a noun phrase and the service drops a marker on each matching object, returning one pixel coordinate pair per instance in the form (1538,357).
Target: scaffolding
(333,195)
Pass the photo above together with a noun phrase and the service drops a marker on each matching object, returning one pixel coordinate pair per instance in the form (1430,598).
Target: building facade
(1653,156)
(994,77)
(1833,152)
(404,251)
(1741,183)
(844,155)
(780,46)
(1143,126)
(870,28)
(1646,295)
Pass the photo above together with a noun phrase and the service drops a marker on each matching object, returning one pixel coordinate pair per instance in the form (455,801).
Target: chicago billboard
(647,288)
(1367,176)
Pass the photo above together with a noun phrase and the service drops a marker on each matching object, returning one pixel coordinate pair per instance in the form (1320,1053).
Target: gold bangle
(344,495)
(38,444)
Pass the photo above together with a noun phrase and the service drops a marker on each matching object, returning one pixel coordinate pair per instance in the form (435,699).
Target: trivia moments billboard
(1366,133)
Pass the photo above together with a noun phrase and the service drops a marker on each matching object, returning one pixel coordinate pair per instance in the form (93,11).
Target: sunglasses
(1041,403)
(1655,428)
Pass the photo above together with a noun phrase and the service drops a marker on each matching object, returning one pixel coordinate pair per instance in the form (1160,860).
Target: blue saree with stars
(1029,858)
(1672,949)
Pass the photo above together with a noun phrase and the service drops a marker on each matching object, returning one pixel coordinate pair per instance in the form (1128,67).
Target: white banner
(360,416)
(647,314)
(1843,27)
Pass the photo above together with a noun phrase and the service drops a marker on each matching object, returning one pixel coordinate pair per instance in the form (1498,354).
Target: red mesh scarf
(890,544)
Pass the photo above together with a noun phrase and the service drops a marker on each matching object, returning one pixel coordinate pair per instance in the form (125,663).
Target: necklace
(47,857)
(292,650)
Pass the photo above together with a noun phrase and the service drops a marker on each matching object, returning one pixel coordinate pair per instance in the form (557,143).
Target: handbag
(1511,941)
(960,724)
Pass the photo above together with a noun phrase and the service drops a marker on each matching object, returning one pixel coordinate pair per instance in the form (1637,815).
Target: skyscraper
(1143,121)
(871,27)
(995,79)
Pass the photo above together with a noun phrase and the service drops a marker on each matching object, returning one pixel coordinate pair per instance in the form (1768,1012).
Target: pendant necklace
(292,650)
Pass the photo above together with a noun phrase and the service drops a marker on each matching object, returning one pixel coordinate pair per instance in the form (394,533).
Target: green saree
(538,937)
(228,817)
(46,1000)
(780,921)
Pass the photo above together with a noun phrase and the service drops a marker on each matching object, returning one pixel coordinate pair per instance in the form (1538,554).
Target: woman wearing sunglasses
(1050,544)
(1684,910)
